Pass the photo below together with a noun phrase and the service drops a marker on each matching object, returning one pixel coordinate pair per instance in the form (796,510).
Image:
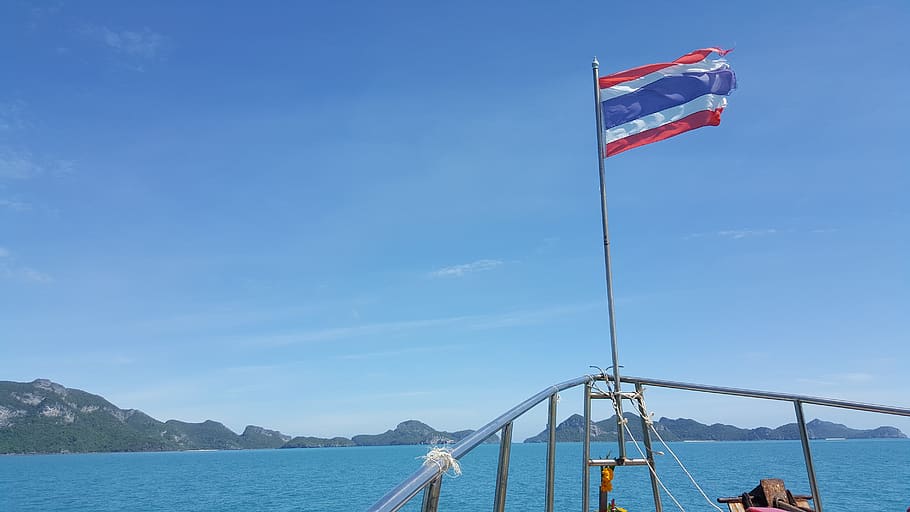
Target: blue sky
(328,218)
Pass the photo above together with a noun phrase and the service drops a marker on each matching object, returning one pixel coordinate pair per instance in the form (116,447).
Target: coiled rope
(443,460)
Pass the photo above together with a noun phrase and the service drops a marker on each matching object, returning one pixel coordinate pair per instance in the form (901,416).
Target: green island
(45,417)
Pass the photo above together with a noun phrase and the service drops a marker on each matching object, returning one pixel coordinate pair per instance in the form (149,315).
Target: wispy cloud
(429,348)
(24,274)
(466,268)
(856,377)
(736,234)
(839,379)
(16,206)
(18,165)
(23,165)
(11,115)
(466,322)
(337,333)
(40,14)
(10,270)
(136,46)
(739,234)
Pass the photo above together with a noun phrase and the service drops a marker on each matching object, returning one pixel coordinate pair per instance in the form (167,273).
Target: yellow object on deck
(606,479)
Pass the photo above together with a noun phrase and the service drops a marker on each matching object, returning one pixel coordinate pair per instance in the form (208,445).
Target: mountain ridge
(45,417)
(684,429)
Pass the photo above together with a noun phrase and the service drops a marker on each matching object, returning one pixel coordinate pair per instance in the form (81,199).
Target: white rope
(653,471)
(443,460)
(624,422)
(686,471)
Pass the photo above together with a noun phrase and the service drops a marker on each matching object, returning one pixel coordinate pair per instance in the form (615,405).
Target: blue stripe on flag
(665,93)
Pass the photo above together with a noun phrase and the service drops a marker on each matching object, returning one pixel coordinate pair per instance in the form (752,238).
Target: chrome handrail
(403,492)
(429,476)
(771,395)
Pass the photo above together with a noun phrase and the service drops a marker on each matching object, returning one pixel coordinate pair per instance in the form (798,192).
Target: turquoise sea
(869,475)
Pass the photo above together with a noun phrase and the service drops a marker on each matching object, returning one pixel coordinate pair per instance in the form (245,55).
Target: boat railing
(428,477)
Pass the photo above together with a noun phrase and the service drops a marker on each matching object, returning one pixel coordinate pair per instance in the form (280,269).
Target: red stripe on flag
(632,74)
(690,122)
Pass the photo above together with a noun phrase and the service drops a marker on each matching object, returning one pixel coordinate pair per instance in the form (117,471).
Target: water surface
(346,479)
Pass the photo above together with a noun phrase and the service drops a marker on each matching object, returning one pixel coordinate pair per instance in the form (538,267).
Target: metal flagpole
(620,434)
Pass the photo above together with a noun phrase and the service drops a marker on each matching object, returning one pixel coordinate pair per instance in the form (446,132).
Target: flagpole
(617,398)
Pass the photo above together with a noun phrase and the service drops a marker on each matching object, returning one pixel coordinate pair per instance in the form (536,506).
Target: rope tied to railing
(443,460)
(649,419)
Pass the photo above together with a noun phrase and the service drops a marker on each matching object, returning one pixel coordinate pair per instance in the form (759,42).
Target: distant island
(573,428)
(44,417)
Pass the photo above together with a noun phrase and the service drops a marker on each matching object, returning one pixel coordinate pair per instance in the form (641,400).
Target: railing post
(586,450)
(502,474)
(807,454)
(551,452)
(646,435)
(431,495)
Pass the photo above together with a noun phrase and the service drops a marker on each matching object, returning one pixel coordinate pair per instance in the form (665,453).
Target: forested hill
(44,417)
(682,429)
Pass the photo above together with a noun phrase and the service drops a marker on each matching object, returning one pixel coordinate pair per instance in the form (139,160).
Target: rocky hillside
(318,442)
(412,432)
(45,417)
(682,429)
(258,437)
(407,432)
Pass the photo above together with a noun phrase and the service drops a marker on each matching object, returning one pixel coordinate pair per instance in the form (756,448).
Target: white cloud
(30,274)
(743,233)
(857,377)
(429,348)
(466,322)
(16,206)
(839,379)
(336,333)
(139,45)
(24,274)
(736,234)
(466,268)
(11,271)
(38,15)
(22,165)
(18,165)
(11,116)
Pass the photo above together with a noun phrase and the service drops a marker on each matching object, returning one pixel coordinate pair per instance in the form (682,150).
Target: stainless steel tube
(807,454)
(551,452)
(502,473)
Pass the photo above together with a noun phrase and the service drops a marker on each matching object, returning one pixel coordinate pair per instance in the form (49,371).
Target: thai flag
(654,102)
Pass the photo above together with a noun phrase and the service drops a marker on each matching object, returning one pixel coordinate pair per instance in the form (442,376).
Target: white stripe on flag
(657,119)
(676,69)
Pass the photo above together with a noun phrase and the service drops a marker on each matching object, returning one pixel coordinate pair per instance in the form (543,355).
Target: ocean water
(869,475)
